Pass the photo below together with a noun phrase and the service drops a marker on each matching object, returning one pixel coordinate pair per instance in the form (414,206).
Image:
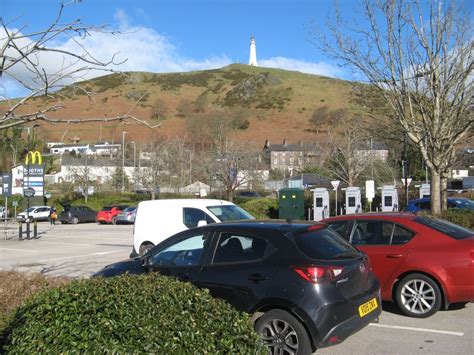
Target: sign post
(370,192)
(33,181)
(335,185)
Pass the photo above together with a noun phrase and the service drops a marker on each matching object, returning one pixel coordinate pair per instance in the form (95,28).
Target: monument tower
(253,52)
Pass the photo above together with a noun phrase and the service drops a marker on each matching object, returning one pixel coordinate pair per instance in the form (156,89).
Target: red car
(109,214)
(422,263)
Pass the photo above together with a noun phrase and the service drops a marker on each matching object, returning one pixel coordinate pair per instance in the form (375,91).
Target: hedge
(261,208)
(463,217)
(128,314)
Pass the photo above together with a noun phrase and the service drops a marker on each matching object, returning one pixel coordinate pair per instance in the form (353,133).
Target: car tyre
(282,333)
(144,248)
(418,296)
(114,220)
(75,220)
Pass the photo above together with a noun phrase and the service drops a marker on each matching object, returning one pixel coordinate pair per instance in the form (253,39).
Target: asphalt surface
(80,250)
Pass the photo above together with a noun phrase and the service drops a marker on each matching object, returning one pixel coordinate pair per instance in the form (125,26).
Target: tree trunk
(153,193)
(230,195)
(444,192)
(435,186)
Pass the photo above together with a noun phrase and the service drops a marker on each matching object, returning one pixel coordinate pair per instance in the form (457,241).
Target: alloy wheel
(418,296)
(280,337)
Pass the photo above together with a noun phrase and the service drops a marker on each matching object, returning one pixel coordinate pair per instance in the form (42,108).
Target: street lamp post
(134,165)
(123,160)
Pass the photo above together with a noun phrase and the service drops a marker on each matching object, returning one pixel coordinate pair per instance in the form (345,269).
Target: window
(352,201)
(401,235)
(186,252)
(324,244)
(388,201)
(235,248)
(319,202)
(191,217)
(340,228)
(372,233)
(229,213)
(448,228)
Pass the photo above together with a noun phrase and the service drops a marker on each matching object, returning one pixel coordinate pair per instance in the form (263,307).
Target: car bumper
(342,319)
(461,293)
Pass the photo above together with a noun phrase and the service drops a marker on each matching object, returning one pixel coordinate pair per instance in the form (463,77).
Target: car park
(305,286)
(423,263)
(77,214)
(156,220)
(34,213)
(108,214)
(127,216)
(424,204)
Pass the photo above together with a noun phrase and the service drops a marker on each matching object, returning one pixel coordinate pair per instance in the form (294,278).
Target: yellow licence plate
(368,307)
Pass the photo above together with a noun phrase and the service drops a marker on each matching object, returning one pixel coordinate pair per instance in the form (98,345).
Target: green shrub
(261,208)
(462,217)
(128,314)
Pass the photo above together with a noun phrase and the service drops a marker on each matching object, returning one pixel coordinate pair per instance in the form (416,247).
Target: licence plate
(368,307)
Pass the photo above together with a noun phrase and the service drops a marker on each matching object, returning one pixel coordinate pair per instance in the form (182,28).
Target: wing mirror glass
(201,223)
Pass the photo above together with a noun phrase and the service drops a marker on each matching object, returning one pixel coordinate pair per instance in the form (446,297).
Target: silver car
(127,216)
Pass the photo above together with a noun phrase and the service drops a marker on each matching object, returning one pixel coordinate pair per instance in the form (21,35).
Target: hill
(279,103)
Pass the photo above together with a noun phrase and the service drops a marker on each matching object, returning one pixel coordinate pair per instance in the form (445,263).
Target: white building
(101,148)
(253,52)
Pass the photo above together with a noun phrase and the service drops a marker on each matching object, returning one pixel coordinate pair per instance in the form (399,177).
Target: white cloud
(320,68)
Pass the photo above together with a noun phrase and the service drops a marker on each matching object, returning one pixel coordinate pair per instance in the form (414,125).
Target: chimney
(267,143)
(285,143)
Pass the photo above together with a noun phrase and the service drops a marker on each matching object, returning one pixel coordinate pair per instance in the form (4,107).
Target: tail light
(315,274)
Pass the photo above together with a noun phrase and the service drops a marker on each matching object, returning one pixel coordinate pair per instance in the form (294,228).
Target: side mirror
(146,262)
(201,223)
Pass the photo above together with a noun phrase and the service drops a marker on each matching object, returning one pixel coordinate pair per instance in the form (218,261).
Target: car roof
(267,224)
(185,202)
(375,215)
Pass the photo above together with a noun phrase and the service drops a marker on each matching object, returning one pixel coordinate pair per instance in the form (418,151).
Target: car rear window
(448,228)
(324,244)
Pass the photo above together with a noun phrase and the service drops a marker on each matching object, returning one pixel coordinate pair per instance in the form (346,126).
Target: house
(99,149)
(291,157)
(303,181)
(375,149)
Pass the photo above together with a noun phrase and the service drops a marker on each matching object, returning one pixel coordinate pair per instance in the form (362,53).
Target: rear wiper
(346,255)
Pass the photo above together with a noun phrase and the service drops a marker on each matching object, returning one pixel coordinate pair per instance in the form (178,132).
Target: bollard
(20,230)
(28,229)
(35,229)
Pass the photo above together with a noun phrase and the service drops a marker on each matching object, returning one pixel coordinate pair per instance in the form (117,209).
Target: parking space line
(71,243)
(23,250)
(83,256)
(446,332)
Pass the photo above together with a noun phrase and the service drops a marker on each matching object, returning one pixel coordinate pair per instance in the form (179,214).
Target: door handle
(257,278)
(395,256)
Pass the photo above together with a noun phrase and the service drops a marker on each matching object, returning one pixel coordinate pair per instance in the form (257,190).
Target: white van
(157,220)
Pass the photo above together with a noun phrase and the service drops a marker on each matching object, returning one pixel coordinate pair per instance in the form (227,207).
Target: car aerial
(424,204)
(77,214)
(127,216)
(156,220)
(423,263)
(34,213)
(108,214)
(305,286)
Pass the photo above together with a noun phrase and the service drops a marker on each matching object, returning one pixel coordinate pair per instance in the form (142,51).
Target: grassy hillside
(279,102)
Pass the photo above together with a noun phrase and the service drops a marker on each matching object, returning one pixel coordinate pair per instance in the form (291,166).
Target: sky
(183,35)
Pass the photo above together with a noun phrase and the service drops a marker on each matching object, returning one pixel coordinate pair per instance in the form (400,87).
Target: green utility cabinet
(291,204)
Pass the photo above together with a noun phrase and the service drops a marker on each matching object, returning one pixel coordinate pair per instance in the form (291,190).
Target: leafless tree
(24,52)
(82,178)
(421,62)
(349,155)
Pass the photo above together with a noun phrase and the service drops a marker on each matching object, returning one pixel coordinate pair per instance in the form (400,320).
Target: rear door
(386,244)
(239,270)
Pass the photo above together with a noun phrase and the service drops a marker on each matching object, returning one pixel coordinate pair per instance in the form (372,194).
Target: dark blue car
(424,204)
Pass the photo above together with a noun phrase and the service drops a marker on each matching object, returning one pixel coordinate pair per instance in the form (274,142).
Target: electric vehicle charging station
(389,199)
(320,204)
(425,190)
(353,200)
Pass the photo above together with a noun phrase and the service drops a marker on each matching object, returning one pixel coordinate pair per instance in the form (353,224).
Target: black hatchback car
(306,287)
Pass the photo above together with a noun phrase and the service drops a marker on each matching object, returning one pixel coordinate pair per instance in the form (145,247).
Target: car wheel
(75,220)
(114,220)
(144,248)
(282,333)
(418,296)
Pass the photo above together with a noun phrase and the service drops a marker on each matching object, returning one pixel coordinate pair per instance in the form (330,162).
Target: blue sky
(183,35)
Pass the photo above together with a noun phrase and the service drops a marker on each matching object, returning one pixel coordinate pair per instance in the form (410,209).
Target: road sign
(335,184)
(370,189)
(47,195)
(409,180)
(6,184)
(14,203)
(29,192)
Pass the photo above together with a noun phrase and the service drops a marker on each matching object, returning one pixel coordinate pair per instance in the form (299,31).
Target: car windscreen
(226,213)
(108,208)
(324,244)
(130,209)
(453,230)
